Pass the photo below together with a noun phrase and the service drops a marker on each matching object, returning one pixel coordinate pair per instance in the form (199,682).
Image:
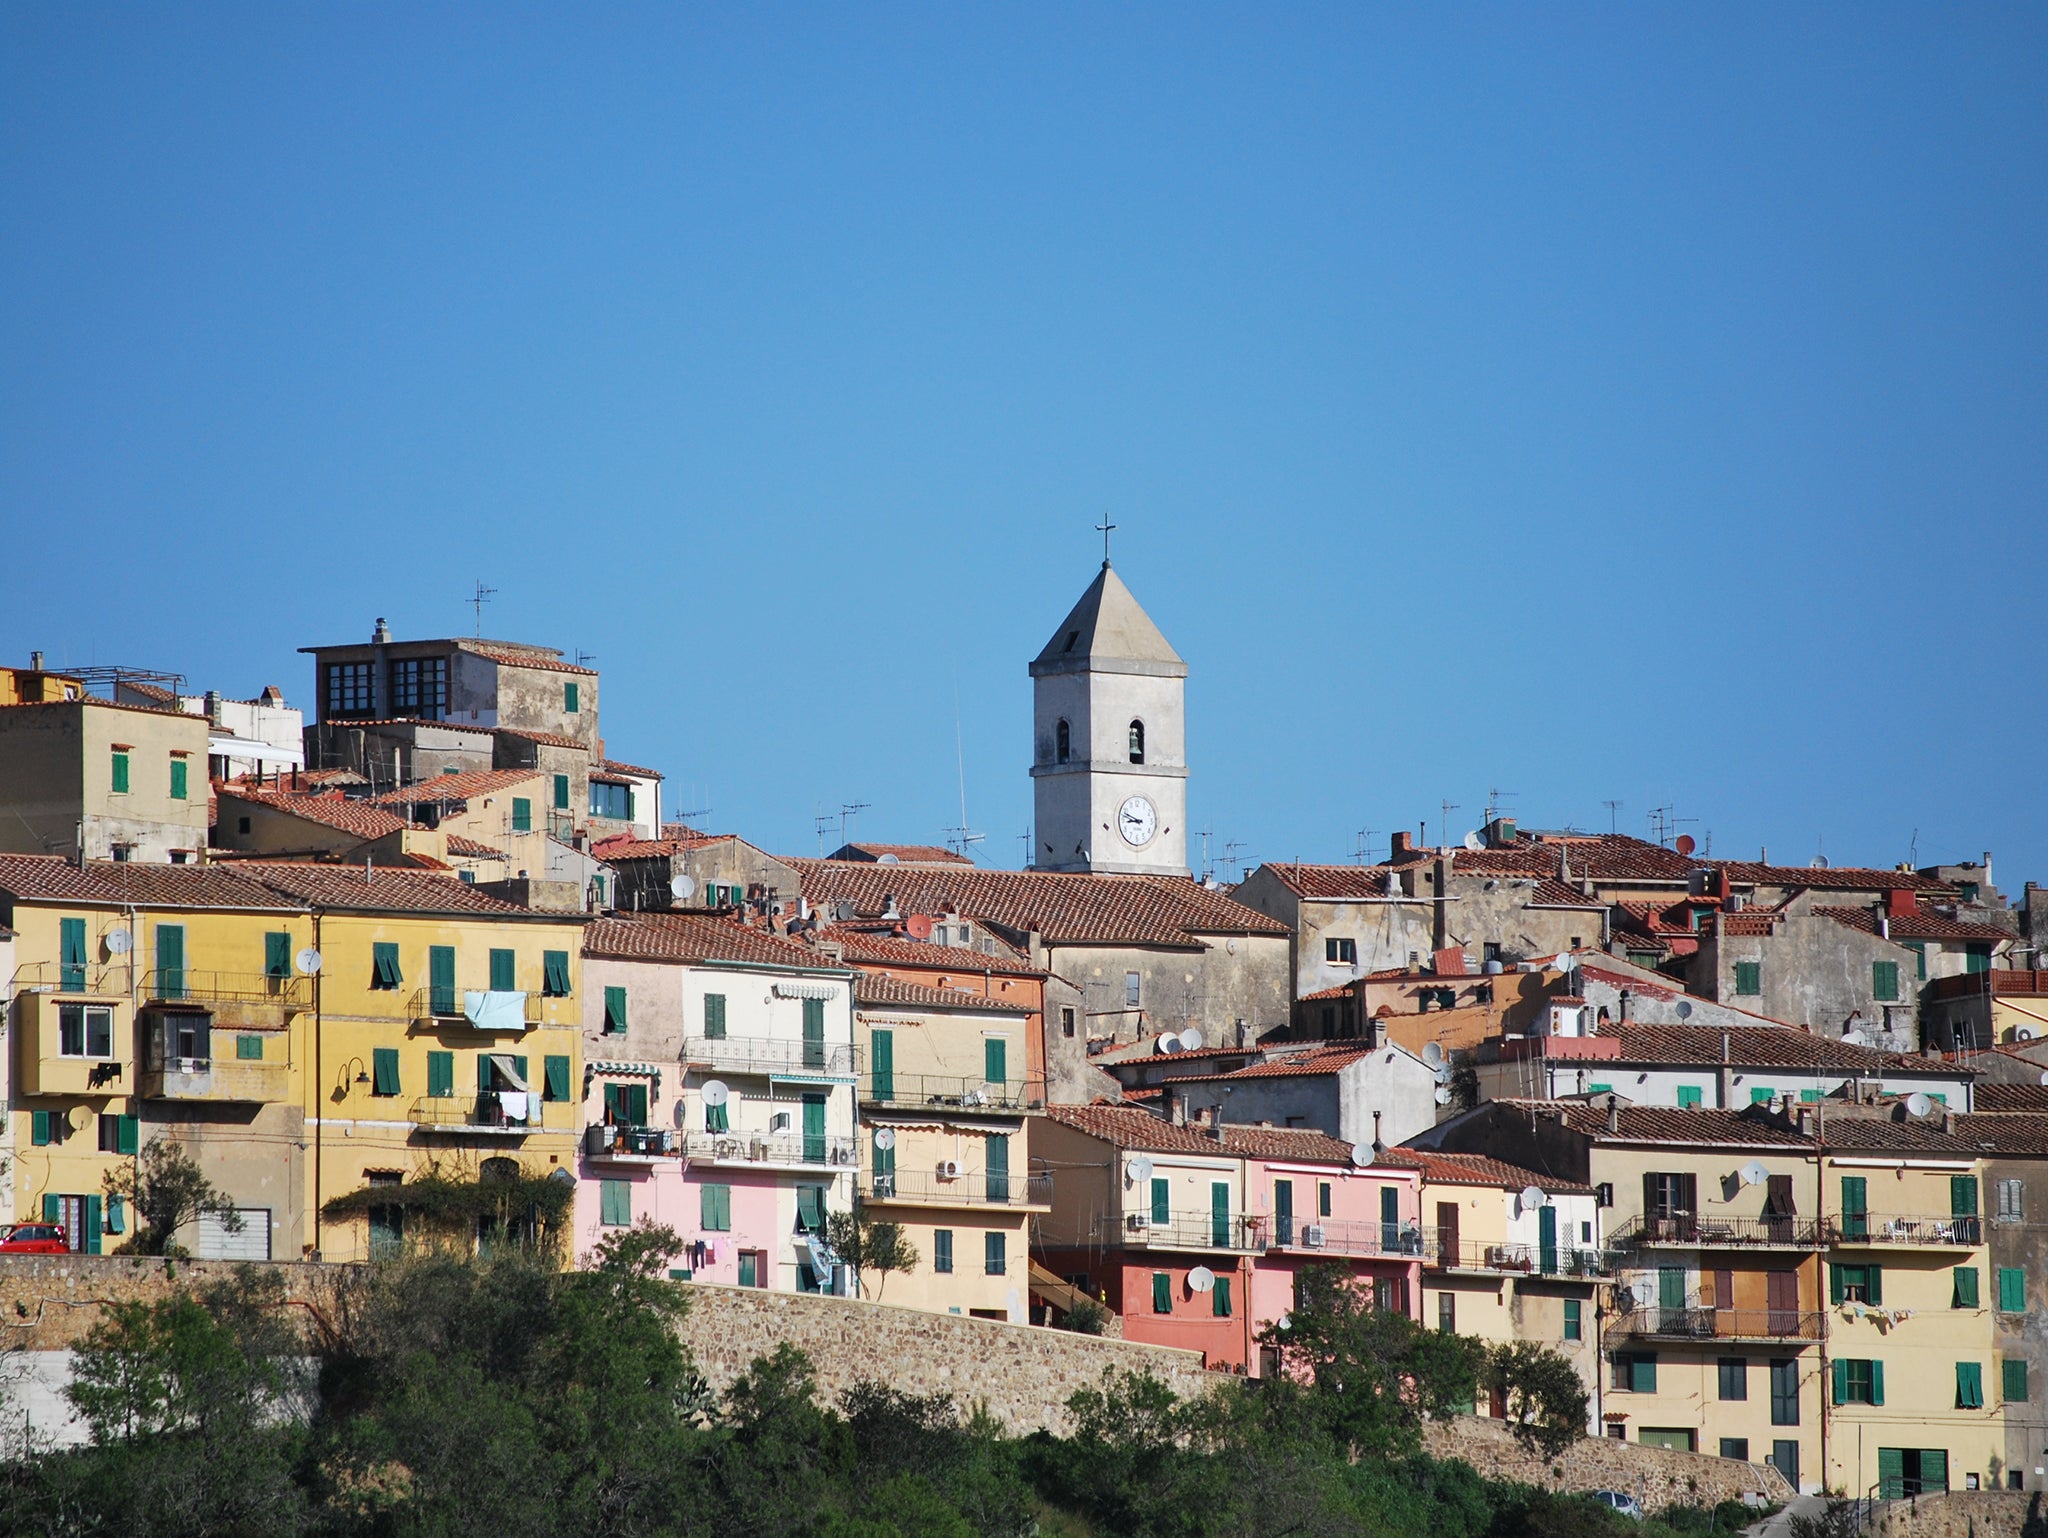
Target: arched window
(1137,742)
(1063,742)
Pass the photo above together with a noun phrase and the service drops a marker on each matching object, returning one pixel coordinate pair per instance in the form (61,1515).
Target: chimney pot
(35,662)
(382,634)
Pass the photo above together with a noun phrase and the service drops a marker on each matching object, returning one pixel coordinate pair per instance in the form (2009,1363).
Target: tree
(167,1190)
(1545,1397)
(870,1244)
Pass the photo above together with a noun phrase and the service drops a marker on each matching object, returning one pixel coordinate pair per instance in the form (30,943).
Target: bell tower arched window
(1137,742)
(1062,742)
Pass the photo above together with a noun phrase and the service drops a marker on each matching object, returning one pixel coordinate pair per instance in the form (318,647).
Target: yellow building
(153,1001)
(942,1104)
(84,776)
(446,1034)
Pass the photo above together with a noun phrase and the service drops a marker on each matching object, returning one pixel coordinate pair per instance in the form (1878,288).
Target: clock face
(1137,821)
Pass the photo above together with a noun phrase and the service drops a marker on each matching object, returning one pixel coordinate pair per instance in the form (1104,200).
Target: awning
(806,991)
(508,1066)
(601,1068)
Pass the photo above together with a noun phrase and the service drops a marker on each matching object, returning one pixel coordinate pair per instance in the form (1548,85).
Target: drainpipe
(319,1082)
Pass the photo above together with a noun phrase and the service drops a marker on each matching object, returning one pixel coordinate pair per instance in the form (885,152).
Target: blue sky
(1591,403)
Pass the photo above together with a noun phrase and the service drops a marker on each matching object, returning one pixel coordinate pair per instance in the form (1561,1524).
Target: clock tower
(1109,769)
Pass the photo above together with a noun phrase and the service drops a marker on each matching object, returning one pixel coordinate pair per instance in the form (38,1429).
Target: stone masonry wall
(1656,1476)
(1963,1514)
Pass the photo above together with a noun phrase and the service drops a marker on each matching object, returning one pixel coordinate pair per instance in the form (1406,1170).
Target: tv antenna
(1613,819)
(848,810)
(584,658)
(1665,821)
(1362,853)
(958,839)
(824,821)
(1207,836)
(1444,827)
(1494,799)
(1025,839)
(1230,858)
(1913,849)
(1105,528)
(478,599)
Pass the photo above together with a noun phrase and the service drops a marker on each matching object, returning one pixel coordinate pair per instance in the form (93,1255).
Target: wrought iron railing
(96,978)
(1952,1231)
(770,1054)
(951,1091)
(974,1188)
(1185,1231)
(1697,1322)
(784,1148)
(487,1111)
(1715,1231)
(431,1003)
(1452,1253)
(604,1140)
(173,985)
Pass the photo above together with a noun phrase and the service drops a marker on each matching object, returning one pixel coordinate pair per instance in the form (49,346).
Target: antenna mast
(482,596)
(1613,821)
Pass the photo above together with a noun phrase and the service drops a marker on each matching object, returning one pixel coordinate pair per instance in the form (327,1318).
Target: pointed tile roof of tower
(1108,632)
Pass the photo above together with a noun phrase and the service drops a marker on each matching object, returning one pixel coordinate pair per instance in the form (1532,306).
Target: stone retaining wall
(1963,1514)
(1656,1476)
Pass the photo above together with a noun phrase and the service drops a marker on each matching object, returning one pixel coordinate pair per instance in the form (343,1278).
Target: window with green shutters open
(615,1203)
(120,1135)
(715,1209)
(625,1105)
(554,974)
(384,1071)
(1749,978)
(1688,1097)
(1964,1294)
(1855,1284)
(1635,1372)
(717,1118)
(1162,1292)
(810,1209)
(1858,1381)
(1219,1298)
(277,955)
(1884,981)
(1969,1385)
(714,1016)
(384,972)
(554,1077)
(522,815)
(614,1010)
(504,971)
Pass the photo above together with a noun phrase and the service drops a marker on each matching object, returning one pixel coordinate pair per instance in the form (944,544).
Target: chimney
(35,662)
(381,636)
(1395,850)
(1176,1108)
(1806,1121)
(1899,903)
(213,706)
(1613,1112)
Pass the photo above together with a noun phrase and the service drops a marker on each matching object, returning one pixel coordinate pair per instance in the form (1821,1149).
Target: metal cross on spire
(1105,527)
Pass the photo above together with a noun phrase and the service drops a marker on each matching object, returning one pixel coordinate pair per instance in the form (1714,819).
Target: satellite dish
(715,1092)
(1433,1054)
(1361,1154)
(1443,1074)
(1168,1044)
(308,961)
(683,888)
(1684,1010)
(1820,862)
(1474,842)
(2044,1078)
(119,942)
(1918,1104)
(1532,1198)
(1191,1040)
(1754,1174)
(1141,1167)
(918,926)
(1563,962)
(887,859)
(1443,1094)
(1201,1279)
(1686,844)
(885,1138)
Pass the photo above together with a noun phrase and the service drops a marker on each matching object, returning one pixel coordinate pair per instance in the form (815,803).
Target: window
(1574,1320)
(181,782)
(998,1176)
(1969,1385)
(522,815)
(170,961)
(120,1135)
(2011,1203)
(1884,980)
(2013,1373)
(348,689)
(1162,1196)
(561,793)
(1063,742)
(2012,1290)
(1855,1284)
(47,1128)
(1855,1207)
(1976,959)
(1734,1376)
(1133,990)
(1965,1294)
(614,1010)
(571,696)
(249,1048)
(942,1251)
(1736,1448)
(995,1253)
(120,771)
(1137,742)
(610,800)
(1858,1381)
(1749,979)
(1067,1021)
(615,1203)
(71,976)
(384,1071)
(1760,1094)
(384,971)
(277,955)
(715,1209)
(85,1030)
(1688,1097)
(1162,1293)
(419,687)
(1919,950)
(504,971)
(554,974)
(995,1055)
(1447,1312)
(440,1075)
(1340,952)
(1323,1198)
(814,1033)
(1635,1372)
(810,1209)
(1219,1298)
(1784,1391)
(714,1016)
(625,1105)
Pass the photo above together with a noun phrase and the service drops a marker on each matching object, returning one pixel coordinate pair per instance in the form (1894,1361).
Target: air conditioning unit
(949,1169)
(1137,1222)
(1312,1236)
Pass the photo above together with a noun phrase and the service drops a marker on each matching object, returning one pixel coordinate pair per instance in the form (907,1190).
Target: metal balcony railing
(1340,1236)
(964,1189)
(431,1003)
(951,1091)
(1714,1231)
(1184,1231)
(1951,1231)
(605,1141)
(1452,1253)
(486,1112)
(770,1054)
(101,979)
(173,985)
(794,1149)
(1704,1322)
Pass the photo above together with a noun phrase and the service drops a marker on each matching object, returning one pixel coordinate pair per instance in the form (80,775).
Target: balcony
(951,1092)
(1183,1231)
(1953,1231)
(432,1006)
(607,1144)
(110,981)
(770,1055)
(1446,1252)
(1694,1230)
(216,1081)
(1717,1324)
(1341,1236)
(784,1150)
(931,1188)
(490,1113)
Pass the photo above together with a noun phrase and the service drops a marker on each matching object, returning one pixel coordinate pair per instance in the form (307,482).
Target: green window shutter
(1965,1295)
(1749,978)
(570,700)
(554,967)
(942,1251)
(384,965)
(1162,1198)
(814,1033)
(441,979)
(170,961)
(881,1065)
(71,934)
(277,954)
(1644,1374)
(561,793)
(120,774)
(2013,1373)
(53,1209)
(1220,1298)
(1976,959)
(614,1009)
(2012,1290)
(1919,950)
(810,1208)
(998,1168)
(1874,1278)
(1841,1371)
(1884,980)
(1969,1385)
(625,1105)
(1323,1199)
(555,1077)
(995,1250)
(93,1226)
(40,1128)
(1759,1095)
(1891,1473)
(1877,1382)
(1962,1196)
(117,1222)
(180,780)
(715,1208)
(1573,1326)
(128,1135)
(1835,1280)
(995,1053)
(522,815)
(384,1071)
(814,1129)
(504,971)
(440,1074)
(1688,1096)
(615,1204)
(1219,1212)
(717,1118)
(1162,1293)
(714,1016)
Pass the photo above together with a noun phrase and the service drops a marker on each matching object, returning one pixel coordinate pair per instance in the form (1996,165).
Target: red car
(34,1239)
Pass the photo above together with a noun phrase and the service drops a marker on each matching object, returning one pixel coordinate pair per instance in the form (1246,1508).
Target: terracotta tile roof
(1555,894)
(1859,1134)
(1065,909)
(1613,857)
(1136,1128)
(1466,1169)
(1923,925)
(884,991)
(1147,1050)
(2006,1132)
(469,848)
(1319,1060)
(1664,1124)
(382,889)
(902,854)
(617,766)
(456,787)
(1750,923)
(1823,878)
(330,809)
(452,726)
(693,937)
(545,739)
(51,878)
(1763,1046)
(2013,1097)
(549,659)
(98,703)
(627,847)
(328,777)
(1341,991)
(155,692)
(1333,883)
(890,950)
